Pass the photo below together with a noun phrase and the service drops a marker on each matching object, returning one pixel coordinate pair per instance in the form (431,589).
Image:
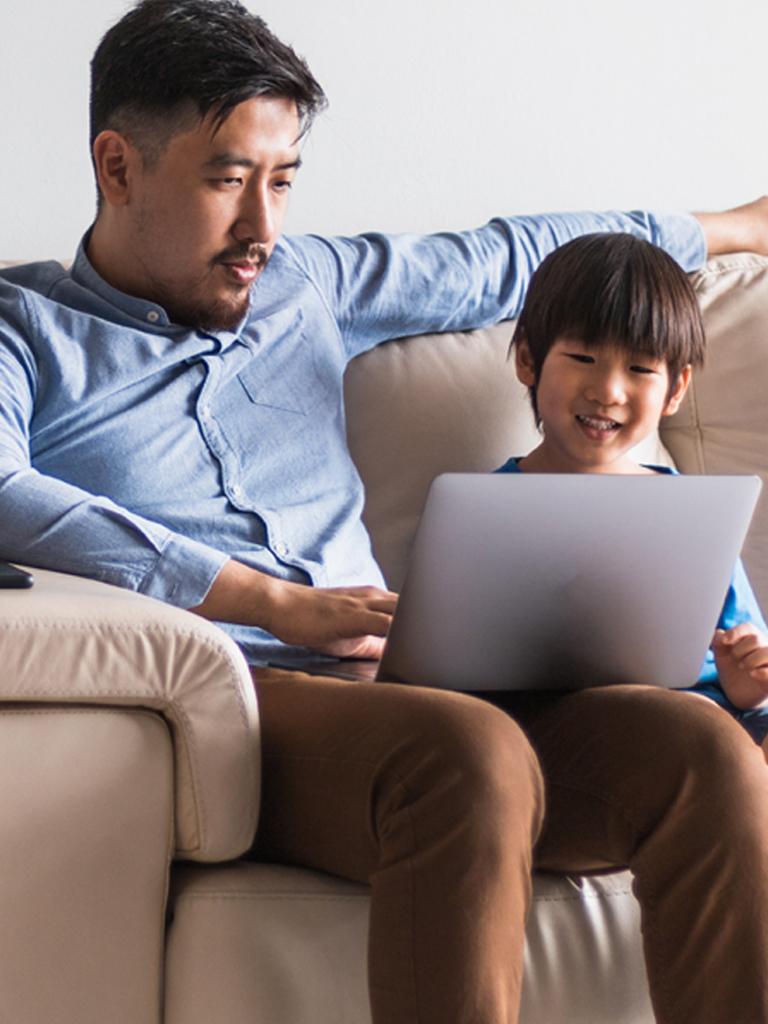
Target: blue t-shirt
(740,606)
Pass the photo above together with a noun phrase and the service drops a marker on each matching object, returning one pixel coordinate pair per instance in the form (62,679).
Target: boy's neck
(544,460)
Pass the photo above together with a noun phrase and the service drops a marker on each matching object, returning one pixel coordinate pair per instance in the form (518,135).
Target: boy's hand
(741,658)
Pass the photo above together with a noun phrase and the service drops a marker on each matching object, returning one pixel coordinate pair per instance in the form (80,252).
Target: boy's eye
(580,357)
(643,369)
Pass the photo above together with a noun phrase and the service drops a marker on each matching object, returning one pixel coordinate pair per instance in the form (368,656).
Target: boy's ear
(524,361)
(679,393)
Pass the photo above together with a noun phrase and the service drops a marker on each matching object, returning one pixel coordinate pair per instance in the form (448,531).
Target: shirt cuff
(184,572)
(681,235)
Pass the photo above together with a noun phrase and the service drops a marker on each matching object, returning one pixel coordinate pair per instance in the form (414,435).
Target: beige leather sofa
(129,773)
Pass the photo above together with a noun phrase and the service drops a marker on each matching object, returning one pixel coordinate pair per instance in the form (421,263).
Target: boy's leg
(676,789)
(433,798)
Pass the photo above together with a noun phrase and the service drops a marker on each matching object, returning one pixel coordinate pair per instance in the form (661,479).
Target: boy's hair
(168,63)
(613,290)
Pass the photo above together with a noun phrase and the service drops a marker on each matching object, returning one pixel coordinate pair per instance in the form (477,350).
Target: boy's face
(596,404)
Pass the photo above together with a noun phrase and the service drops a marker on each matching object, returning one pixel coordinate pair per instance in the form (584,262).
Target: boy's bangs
(615,291)
(634,325)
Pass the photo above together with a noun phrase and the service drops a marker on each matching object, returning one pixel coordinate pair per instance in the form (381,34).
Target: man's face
(204,221)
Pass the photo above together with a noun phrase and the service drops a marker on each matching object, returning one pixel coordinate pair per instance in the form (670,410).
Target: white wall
(443,112)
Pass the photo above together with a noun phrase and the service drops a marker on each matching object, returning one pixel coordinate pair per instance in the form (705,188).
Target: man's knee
(482,762)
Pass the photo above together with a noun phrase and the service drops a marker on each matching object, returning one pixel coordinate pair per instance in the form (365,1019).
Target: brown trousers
(436,800)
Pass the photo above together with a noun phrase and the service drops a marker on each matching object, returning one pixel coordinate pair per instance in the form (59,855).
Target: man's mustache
(245,253)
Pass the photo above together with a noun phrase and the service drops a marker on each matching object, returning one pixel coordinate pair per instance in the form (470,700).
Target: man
(171,420)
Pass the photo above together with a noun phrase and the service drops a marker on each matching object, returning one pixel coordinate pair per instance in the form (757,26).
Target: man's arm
(378,287)
(342,621)
(50,522)
(742,229)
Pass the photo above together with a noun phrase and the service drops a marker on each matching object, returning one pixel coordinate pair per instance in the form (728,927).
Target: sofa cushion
(262,942)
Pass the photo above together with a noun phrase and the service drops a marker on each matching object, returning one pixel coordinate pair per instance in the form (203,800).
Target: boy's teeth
(598,424)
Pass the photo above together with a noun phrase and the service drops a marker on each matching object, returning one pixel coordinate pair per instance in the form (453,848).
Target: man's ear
(673,404)
(115,160)
(526,373)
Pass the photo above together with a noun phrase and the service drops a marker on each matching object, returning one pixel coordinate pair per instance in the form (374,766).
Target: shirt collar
(149,314)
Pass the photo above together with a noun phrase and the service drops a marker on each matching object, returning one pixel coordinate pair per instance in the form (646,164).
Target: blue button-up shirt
(145,454)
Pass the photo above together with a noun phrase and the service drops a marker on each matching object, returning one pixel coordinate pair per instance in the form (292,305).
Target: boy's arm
(741,659)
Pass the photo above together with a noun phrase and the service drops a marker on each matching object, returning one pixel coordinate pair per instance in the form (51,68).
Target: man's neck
(108,259)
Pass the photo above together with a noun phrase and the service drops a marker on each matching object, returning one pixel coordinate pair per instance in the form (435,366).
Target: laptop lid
(548,581)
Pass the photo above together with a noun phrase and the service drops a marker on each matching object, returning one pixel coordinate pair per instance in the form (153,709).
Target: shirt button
(237,490)
(281,549)
(153,316)
(205,412)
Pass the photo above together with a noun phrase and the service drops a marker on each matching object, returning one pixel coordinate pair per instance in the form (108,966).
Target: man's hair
(167,64)
(613,290)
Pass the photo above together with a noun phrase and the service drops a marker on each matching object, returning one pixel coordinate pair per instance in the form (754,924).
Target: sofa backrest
(722,426)
(437,403)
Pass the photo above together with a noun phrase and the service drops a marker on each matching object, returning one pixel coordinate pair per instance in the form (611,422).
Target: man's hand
(741,658)
(743,229)
(342,621)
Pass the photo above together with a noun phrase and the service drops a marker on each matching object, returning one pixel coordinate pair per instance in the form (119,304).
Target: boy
(606,343)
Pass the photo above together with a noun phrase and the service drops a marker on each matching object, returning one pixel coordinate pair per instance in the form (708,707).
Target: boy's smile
(596,403)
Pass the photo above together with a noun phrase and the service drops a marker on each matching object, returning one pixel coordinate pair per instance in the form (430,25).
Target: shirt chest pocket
(288,377)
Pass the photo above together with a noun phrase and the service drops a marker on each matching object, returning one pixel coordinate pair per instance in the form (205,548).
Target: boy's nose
(607,389)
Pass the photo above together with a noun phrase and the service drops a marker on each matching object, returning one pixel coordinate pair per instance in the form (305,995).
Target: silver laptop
(549,581)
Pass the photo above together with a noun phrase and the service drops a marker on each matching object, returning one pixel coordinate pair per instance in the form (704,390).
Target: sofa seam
(274,897)
(363,897)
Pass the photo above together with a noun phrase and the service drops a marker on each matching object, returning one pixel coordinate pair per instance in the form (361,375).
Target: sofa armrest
(69,640)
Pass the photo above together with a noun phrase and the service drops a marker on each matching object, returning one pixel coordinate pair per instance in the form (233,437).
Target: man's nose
(255,222)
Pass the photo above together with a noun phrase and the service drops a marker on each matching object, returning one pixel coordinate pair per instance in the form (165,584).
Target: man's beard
(216,314)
